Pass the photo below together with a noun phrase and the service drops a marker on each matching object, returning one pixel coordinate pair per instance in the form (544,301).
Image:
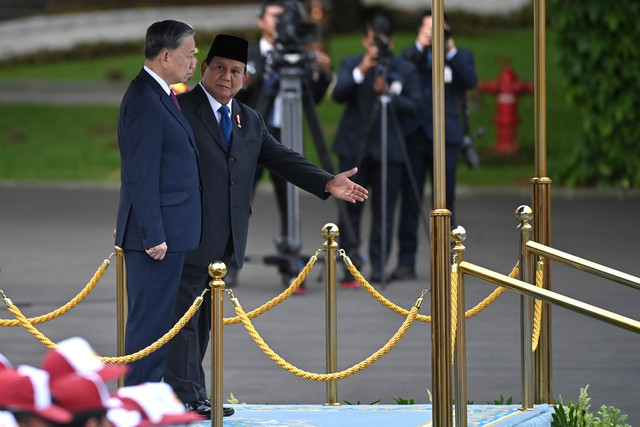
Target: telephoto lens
(470,155)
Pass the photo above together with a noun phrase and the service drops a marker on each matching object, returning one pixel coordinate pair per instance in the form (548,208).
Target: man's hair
(379,24)
(81,418)
(266,3)
(167,34)
(428,13)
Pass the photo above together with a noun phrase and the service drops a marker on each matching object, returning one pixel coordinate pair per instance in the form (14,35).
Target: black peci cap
(230,47)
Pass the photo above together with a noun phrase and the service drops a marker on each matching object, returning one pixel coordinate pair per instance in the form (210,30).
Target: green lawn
(80,143)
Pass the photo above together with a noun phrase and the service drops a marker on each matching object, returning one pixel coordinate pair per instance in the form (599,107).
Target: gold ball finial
(458,234)
(330,231)
(217,270)
(524,213)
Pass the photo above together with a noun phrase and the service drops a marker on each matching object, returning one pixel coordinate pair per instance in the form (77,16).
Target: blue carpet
(378,416)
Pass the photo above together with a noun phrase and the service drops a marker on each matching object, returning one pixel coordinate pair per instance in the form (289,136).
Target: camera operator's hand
(425,35)
(323,61)
(449,45)
(370,59)
(380,85)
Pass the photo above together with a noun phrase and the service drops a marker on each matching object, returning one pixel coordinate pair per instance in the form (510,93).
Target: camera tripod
(296,96)
(384,109)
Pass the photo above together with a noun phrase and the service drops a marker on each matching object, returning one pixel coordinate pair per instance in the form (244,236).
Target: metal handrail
(583,264)
(550,297)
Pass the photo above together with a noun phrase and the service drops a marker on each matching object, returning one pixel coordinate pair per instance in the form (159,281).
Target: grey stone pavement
(54,236)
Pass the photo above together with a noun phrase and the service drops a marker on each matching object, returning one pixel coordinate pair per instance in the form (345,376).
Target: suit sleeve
(141,157)
(345,88)
(292,166)
(462,65)
(408,101)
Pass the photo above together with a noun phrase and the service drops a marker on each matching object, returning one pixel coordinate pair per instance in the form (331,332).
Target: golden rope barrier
(114,360)
(334,375)
(381,299)
(283,296)
(454,309)
(25,322)
(68,306)
(420,317)
(537,308)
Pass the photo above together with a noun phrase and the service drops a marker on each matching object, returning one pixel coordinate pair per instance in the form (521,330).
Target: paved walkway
(55,236)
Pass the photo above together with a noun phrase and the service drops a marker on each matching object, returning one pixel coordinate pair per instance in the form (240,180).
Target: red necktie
(174,99)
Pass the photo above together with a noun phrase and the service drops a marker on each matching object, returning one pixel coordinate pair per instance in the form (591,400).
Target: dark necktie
(174,99)
(225,124)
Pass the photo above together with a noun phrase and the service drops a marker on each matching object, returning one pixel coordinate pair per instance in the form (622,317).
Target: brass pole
(584,265)
(440,228)
(551,297)
(524,215)
(439,174)
(542,202)
(217,270)
(458,236)
(441,318)
(331,232)
(121,304)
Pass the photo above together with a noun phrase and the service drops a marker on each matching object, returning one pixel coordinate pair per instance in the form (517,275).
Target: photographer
(361,81)
(459,76)
(262,81)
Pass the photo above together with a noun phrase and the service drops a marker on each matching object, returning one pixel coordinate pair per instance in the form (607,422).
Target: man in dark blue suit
(229,161)
(160,211)
(459,76)
(362,79)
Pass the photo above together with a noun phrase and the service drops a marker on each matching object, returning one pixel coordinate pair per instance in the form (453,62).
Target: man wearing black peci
(232,140)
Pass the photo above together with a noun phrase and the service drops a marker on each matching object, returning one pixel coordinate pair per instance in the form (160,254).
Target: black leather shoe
(403,272)
(203,407)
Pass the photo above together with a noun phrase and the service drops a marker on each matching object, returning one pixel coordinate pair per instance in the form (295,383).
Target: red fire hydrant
(507,88)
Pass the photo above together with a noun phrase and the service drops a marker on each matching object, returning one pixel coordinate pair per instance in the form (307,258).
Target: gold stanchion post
(542,200)
(524,215)
(217,270)
(440,229)
(458,236)
(330,233)
(121,303)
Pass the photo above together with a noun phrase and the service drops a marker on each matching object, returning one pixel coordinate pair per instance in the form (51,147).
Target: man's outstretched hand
(342,187)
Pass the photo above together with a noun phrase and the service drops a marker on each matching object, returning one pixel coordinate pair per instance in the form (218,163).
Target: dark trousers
(369,176)
(152,287)
(187,349)
(411,207)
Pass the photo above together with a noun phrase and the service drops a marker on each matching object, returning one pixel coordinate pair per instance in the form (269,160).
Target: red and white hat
(7,419)
(4,364)
(156,403)
(27,389)
(75,355)
(83,392)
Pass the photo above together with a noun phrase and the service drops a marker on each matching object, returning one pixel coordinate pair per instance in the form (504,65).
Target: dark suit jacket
(160,184)
(360,119)
(462,78)
(228,174)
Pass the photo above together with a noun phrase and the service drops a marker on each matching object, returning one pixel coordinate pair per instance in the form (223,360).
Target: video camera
(292,29)
(385,55)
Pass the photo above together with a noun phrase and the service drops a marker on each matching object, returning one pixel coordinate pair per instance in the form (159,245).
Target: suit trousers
(369,176)
(152,286)
(411,208)
(187,349)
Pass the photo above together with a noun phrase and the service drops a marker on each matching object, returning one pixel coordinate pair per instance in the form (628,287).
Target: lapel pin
(238,121)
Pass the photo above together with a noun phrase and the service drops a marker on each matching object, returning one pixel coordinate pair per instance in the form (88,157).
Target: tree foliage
(600,60)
